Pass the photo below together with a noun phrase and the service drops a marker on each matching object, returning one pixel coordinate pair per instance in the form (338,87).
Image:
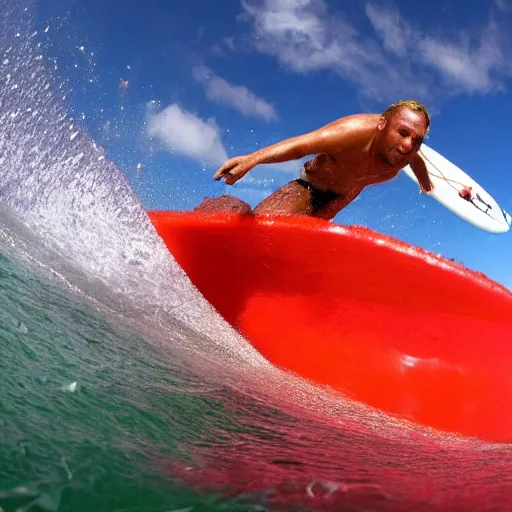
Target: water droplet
(23,447)
(21,327)
(71,388)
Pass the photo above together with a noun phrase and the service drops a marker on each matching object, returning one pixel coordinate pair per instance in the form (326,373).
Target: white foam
(80,206)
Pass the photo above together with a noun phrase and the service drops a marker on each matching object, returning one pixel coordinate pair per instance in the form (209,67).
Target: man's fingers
(231,171)
(223,171)
(218,174)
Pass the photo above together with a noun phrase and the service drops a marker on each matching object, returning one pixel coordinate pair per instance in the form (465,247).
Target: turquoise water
(96,444)
(121,389)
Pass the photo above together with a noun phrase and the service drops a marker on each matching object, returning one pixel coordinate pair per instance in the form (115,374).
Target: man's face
(401,136)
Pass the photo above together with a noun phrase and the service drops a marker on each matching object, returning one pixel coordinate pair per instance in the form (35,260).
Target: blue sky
(207,80)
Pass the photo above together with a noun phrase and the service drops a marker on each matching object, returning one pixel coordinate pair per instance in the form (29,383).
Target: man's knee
(224,203)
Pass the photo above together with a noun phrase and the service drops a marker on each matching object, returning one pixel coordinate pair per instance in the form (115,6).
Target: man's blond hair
(413,105)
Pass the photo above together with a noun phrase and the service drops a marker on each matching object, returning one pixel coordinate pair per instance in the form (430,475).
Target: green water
(97,445)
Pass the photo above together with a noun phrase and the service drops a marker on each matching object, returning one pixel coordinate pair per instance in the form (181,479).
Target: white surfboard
(482,210)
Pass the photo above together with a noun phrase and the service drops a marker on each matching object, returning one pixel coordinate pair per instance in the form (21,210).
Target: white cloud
(391,28)
(187,135)
(300,33)
(305,37)
(225,46)
(466,63)
(235,96)
(468,69)
(502,5)
(397,60)
(229,43)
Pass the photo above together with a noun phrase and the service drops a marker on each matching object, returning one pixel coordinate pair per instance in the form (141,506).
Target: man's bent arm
(419,168)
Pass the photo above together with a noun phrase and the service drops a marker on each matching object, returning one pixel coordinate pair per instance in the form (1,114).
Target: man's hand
(235,168)
(425,190)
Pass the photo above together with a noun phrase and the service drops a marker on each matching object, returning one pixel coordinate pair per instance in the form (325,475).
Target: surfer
(351,153)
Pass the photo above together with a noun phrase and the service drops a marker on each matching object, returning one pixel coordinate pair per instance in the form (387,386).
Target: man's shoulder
(361,120)
(358,123)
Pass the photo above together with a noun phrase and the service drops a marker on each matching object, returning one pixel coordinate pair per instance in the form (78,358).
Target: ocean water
(120,387)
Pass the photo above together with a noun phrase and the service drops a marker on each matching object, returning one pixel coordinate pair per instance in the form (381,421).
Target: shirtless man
(351,154)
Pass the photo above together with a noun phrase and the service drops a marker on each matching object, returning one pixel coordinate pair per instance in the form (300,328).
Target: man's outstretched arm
(330,138)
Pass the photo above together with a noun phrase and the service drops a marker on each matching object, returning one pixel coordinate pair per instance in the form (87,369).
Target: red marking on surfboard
(381,321)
